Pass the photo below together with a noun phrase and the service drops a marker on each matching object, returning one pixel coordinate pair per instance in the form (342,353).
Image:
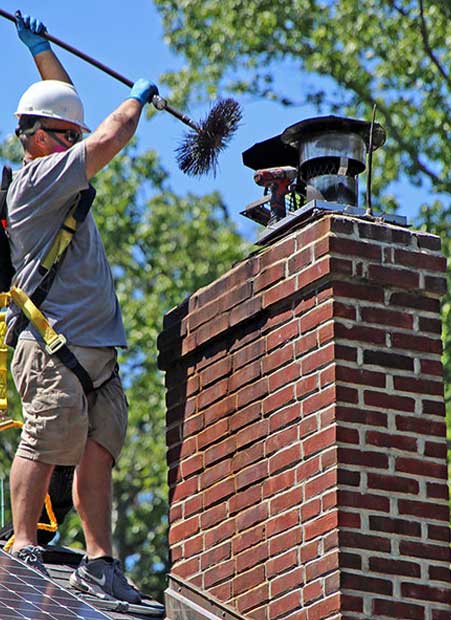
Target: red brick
(248,539)
(316,317)
(360,416)
(220,533)
(220,451)
(252,516)
(211,517)
(425,510)
(419,386)
(184,530)
(279,357)
(215,556)
(269,276)
(277,252)
(317,359)
(248,353)
(245,417)
(219,573)
(360,333)
(315,402)
(420,260)
(280,291)
(424,551)
(299,260)
(281,336)
(213,433)
(394,567)
(215,473)
(360,376)
(282,563)
(287,374)
(321,525)
(248,580)
(213,393)
(322,566)
(279,483)
(387,440)
(311,592)
(396,484)
(365,501)
(219,492)
(420,426)
(386,359)
(325,608)
(282,522)
(216,371)
(359,291)
(187,568)
(388,401)
(425,592)
(395,609)
(416,343)
(279,399)
(283,542)
(252,392)
(279,440)
(368,459)
(319,441)
(367,584)
(219,410)
(387,317)
(251,475)
(286,582)
(282,606)
(403,527)
(249,497)
(253,598)
(250,454)
(284,459)
(421,467)
(315,272)
(286,500)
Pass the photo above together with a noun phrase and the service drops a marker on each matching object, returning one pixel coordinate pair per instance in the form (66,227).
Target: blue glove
(143,91)
(29,28)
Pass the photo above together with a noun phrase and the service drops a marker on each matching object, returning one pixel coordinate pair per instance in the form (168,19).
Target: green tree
(161,247)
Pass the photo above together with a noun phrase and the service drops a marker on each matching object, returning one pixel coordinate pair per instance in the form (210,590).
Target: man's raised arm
(29,30)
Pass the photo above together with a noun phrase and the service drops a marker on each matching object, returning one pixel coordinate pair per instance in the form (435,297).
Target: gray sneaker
(104,580)
(32,556)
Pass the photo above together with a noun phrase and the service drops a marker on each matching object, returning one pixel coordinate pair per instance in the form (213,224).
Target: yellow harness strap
(53,341)
(4,302)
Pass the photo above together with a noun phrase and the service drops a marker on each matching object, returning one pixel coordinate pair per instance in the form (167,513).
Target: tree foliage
(161,247)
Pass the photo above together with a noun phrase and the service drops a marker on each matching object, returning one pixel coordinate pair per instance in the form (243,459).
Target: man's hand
(143,91)
(29,30)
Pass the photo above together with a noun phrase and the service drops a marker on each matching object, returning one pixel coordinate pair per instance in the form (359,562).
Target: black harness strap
(6,268)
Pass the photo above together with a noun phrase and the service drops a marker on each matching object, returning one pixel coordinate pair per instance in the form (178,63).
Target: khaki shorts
(58,417)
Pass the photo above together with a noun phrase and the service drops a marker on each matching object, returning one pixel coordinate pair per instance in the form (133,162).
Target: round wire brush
(199,151)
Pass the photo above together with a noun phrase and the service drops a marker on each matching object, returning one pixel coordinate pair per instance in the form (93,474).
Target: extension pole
(158,102)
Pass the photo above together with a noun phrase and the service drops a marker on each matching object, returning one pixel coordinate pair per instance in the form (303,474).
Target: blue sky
(131,42)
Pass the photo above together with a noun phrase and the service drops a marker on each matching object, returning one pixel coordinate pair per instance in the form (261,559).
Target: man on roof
(74,407)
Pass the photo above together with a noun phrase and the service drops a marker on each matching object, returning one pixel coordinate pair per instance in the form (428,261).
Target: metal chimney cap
(304,130)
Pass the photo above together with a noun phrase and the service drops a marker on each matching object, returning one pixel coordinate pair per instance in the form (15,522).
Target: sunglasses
(71,135)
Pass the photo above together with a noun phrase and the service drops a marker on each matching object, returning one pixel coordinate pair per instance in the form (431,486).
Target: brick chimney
(306,431)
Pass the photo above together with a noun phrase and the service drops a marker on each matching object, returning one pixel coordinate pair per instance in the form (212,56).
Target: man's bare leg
(29,482)
(92,498)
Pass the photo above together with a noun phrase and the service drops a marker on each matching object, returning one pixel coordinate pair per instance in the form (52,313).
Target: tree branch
(427,47)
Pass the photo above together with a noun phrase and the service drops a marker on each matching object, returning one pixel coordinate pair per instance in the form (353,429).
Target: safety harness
(54,343)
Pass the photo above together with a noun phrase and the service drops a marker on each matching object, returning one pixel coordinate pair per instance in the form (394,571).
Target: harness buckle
(55,344)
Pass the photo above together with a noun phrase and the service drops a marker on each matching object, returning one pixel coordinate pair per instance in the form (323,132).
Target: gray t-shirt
(82,303)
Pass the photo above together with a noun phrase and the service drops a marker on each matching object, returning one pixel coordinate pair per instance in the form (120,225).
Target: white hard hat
(53,99)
